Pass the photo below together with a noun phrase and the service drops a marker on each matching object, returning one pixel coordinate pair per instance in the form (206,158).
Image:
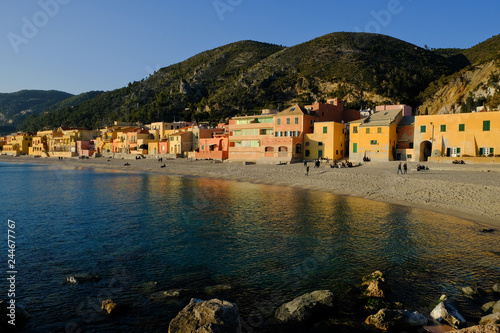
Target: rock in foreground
(492,319)
(305,307)
(388,319)
(213,316)
(444,311)
(376,284)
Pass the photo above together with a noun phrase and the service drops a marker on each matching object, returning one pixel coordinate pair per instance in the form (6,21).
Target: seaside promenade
(466,191)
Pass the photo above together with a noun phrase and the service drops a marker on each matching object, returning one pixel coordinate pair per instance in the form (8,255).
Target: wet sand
(470,192)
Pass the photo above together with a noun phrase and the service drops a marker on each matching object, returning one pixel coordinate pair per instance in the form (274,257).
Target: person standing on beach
(399,169)
(307,170)
(405,168)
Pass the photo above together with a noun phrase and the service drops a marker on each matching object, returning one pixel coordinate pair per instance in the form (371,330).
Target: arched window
(298,148)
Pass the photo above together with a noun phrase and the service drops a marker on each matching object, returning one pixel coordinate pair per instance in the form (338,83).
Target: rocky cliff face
(462,92)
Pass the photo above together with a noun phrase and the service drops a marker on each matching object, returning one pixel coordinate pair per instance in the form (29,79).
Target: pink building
(215,147)
(85,148)
(407,110)
(333,110)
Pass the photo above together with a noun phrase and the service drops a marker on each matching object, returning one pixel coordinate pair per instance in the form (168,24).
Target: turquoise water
(143,233)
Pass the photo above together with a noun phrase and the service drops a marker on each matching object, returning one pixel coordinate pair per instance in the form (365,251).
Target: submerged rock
(472,292)
(387,319)
(218,288)
(376,285)
(492,319)
(305,307)
(109,307)
(211,316)
(82,278)
(166,294)
(496,288)
(445,311)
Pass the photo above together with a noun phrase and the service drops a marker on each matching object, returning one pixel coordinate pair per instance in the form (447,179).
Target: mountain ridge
(243,77)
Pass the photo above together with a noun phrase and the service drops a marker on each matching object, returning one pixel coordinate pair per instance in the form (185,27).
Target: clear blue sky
(81,45)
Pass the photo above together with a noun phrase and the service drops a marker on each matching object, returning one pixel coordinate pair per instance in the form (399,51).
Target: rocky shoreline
(370,306)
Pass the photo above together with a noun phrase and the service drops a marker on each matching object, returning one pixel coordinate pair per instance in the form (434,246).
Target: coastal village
(321,131)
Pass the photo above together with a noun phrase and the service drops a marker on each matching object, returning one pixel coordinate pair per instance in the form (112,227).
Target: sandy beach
(470,192)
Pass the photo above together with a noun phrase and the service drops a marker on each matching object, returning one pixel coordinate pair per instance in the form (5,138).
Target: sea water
(256,245)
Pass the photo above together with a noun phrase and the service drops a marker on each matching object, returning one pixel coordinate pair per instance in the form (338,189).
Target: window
(354,147)
(355,129)
(373,142)
(379,130)
(408,157)
(443,128)
(461,127)
(288,121)
(325,129)
(320,143)
(307,153)
(279,121)
(307,143)
(411,145)
(296,120)
(423,129)
(367,131)
(486,125)
(486,151)
(298,148)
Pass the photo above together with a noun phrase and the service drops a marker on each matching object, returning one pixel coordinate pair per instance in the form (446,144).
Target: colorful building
(18,144)
(63,142)
(215,147)
(247,134)
(181,142)
(328,140)
(375,137)
(457,135)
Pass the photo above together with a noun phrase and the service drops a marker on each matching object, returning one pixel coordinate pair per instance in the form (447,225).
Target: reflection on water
(269,243)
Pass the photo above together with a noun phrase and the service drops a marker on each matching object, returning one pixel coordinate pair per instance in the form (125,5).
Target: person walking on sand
(405,168)
(399,169)
(307,170)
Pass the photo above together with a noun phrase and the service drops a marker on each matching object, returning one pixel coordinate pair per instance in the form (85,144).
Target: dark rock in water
(213,316)
(166,294)
(376,285)
(82,278)
(305,307)
(496,288)
(9,311)
(445,311)
(218,288)
(492,319)
(472,292)
(487,230)
(480,329)
(111,308)
(488,307)
(387,319)
(496,307)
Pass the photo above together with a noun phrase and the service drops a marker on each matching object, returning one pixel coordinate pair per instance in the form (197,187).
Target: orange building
(215,147)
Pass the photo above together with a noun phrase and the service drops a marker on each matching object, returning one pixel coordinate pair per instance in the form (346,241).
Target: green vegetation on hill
(483,52)
(15,107)
(243,77)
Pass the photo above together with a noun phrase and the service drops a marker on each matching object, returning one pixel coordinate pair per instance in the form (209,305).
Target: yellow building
(457,135)
(63,142)
(375,137)
(181,143)
(18,145)
(327,141)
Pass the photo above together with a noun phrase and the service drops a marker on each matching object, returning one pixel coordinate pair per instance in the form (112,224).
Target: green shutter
(325,129)
(481,151)
(486,125)
(423,128)
(458,150)
(491,151)
(443,128)
(461,127)
(354,147)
